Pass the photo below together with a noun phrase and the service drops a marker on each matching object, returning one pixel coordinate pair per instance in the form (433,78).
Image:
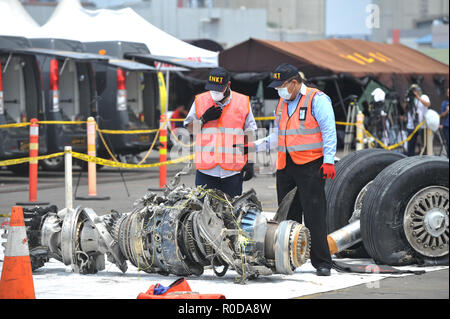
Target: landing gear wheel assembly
(346,191)
(404,218)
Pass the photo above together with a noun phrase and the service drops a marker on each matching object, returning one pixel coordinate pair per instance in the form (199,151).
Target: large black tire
(384,208)
(353,173)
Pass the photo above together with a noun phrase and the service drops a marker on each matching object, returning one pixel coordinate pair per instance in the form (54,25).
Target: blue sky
(346,17)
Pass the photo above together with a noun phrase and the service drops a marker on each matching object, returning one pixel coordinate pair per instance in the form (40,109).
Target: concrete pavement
(433,285)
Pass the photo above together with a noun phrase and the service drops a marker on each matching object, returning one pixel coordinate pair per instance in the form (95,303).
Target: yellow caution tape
(264,118)
(105,144)
(150,149)
(391,147)
(14,125)
(112,155)
(5,215)
(178,141)
(63,122)
(43,122)
(116,163)
(96,160)
(128,132)
(346,123)
(105,162)
(131,131)
(28,159)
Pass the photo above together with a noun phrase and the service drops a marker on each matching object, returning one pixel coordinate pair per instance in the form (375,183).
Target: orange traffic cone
(17,280)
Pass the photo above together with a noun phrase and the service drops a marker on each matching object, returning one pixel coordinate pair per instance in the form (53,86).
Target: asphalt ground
(133,184)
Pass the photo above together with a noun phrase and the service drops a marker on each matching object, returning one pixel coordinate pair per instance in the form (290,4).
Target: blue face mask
(284,93)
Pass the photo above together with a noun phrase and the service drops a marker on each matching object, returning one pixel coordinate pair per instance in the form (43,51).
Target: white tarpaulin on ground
(71,21)
(15,20)
(57,281)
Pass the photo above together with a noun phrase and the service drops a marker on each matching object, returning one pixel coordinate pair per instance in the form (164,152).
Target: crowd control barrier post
(163,151)
(360,131)
(68,176)
(92,167)
(429,141)
(33,165)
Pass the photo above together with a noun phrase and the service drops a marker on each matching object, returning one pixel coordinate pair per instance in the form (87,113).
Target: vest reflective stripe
(300,131)
(226,130)
(297,148)
(307,104)
(231,131)
(213,149)
(301,138)
(209,130)
(214,144)
(280,112)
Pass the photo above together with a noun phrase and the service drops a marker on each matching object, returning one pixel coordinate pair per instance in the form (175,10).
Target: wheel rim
(358,204)
(426,221)
(53,161)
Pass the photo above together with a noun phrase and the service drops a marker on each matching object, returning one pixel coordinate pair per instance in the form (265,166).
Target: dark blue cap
(217,80)
(283,72)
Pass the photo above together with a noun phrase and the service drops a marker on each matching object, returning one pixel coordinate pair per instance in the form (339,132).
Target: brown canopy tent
(394,66)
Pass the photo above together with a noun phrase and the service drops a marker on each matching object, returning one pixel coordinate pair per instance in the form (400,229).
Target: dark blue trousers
(230,185)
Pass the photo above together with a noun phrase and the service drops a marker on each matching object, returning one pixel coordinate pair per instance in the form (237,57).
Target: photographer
(415,105)
(378,116)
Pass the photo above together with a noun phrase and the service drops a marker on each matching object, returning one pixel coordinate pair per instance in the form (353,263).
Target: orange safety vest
(298,134)
(214,144)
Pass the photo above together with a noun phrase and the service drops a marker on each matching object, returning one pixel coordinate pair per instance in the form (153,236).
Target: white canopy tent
(15,20)
(71,21)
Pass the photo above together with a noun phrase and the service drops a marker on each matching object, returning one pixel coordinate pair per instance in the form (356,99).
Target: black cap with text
(217,80)
(282,73)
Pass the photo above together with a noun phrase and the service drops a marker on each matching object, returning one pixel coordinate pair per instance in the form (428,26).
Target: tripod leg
(124,183)
(78,183)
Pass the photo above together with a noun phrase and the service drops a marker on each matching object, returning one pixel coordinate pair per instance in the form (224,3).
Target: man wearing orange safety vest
(305,136)
(220,119)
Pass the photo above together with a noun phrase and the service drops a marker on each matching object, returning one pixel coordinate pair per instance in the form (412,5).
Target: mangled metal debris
(179,233)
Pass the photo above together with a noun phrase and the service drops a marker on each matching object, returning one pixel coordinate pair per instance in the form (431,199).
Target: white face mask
(284,93)
(217,96)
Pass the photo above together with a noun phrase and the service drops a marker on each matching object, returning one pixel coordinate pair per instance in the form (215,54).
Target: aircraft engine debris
(179,233)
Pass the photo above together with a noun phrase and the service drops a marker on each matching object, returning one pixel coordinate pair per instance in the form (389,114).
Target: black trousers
(230,185)
(310,202)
